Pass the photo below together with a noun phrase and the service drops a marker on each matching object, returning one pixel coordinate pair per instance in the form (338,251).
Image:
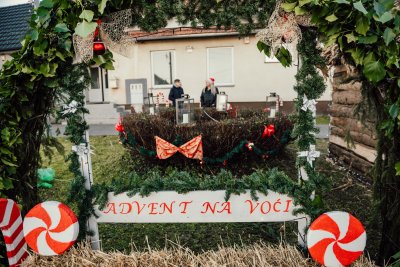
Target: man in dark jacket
(176,91)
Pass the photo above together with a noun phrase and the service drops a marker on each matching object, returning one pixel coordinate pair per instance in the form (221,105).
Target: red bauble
(99,48)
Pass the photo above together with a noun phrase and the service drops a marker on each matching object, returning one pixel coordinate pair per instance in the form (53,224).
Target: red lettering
(129,207)
(288,205)
(226,206)
(278,202)
(185,204)
(166,207)
(251,206)
(262,207)
(111,208)
(153,207)
(138,206)
(208,206)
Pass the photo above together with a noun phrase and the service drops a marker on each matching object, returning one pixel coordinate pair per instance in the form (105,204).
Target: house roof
(13,25)
(181,32)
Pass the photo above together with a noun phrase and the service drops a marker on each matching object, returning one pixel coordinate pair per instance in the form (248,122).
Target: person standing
(176,92)
(209,94)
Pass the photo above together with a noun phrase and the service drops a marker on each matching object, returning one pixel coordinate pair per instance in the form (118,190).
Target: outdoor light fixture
(189,49)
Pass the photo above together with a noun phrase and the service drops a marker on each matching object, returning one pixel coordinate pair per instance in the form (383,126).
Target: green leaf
(362,25)
(397,167)
(374,71)
(360,7)
(304,2)
(388,36)
(387,16)
(85,28)
(299,11)
(102,6)
(331,18)
(87,15)
(351,38)
(8,163)
(46,3)
(289,7)
(394,111)
(61,27)
(368,39)
(284,57)
(342,1)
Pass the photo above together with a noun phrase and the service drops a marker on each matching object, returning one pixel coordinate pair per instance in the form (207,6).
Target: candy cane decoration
(50,228)
(336,239)
(11,227)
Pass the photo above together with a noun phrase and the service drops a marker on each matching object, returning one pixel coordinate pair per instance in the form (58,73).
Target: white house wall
(254,78)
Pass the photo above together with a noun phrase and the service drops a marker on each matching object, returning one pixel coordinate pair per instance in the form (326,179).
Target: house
(193,55)
(14,16)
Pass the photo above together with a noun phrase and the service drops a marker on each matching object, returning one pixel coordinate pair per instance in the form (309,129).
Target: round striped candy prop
(50,228)
(11,227)
(336,239)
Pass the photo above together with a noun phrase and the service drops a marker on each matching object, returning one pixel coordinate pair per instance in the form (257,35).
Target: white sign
(201,207)
(136,91)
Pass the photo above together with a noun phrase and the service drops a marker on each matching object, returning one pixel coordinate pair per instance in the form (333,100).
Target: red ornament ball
(99,48)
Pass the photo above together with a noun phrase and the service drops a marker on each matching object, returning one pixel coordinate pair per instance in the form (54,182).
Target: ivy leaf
(304,2)
(284,57)
(87,15)
(368,39)
(299,11)
(102,6)
(360,7)
(351,38)
(289,7)
(342,2)
(388,36)
(394,111)
(397,167)
(61,27)
(331,18)
(387,16)
(374,71)
(85,28)
(46,3)
(362,25)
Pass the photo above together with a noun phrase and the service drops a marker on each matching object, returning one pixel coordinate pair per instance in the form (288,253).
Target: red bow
(268,131)
(119,127)
(192,149)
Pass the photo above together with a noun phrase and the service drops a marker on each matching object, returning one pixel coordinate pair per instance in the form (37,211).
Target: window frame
(232,48)
(162,86)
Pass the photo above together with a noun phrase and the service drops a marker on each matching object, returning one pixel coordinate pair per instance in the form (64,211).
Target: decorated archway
(35,81)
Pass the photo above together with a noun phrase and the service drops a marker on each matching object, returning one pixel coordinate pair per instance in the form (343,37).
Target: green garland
(129,140)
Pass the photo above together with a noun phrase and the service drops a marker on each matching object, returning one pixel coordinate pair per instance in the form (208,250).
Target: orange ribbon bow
(192,149)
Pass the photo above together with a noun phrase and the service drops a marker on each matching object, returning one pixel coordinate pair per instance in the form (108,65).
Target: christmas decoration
(50,228)
(11,228)
(111,32)
(46,177)
(250,146)
(309,104)
(70,108)
(336,239)
(268,131)
(192,149)
(311,154)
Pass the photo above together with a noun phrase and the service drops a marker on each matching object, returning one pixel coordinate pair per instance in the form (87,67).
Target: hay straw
(260,255)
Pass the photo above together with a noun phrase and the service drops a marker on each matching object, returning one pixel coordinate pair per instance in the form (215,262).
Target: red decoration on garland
(98,46)
(268,131)
(224,163)
(119,127)
(192,149)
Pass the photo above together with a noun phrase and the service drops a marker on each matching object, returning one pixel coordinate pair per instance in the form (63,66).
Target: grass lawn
(111,161)
(323,119)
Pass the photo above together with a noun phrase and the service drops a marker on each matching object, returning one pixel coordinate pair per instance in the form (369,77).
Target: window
(163,68)
(220,65)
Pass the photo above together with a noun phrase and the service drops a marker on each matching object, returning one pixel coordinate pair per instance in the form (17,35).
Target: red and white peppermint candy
(336,239)
(11,227)
(50,228)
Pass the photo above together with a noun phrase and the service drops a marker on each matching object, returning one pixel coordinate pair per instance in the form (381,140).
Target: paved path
(108,129)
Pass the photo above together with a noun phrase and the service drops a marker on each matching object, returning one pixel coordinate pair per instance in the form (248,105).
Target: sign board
(201,207)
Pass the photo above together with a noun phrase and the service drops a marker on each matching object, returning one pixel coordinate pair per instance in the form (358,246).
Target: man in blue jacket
(176,91)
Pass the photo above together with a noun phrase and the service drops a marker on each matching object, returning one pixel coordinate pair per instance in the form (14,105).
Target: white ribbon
(70,108)
(309,104)
(82,149)
(311,154)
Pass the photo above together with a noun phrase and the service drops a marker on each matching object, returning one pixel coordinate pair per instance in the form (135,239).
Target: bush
(223,140)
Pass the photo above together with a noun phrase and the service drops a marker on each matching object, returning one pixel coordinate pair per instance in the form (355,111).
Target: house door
(99,91)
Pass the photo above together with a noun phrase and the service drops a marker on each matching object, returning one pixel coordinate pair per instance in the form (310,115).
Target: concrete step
(103,113)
